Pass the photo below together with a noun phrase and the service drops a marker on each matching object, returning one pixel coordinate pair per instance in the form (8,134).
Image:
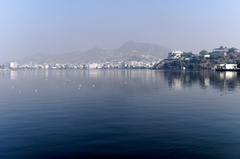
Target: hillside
(128,51)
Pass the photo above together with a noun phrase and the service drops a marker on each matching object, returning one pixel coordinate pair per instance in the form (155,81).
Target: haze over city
(30,27)
(119,79)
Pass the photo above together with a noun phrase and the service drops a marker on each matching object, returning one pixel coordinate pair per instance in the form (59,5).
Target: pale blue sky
(56,26)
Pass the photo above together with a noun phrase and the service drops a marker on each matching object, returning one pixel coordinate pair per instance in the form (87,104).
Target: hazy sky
(56,26)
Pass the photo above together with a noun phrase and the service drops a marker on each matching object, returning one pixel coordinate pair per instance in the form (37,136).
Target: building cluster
(221,51)
(219,58)
(99,65)
(223,58)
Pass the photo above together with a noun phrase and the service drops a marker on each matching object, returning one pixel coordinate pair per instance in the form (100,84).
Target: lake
(119,114)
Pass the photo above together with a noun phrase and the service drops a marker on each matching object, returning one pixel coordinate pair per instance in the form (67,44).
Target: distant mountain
(127,52)
(136,48)
(92,55)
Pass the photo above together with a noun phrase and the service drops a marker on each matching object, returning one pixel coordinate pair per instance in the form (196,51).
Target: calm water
(119,114)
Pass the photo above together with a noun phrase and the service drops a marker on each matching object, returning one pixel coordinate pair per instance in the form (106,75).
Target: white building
(227,66)
(175,54)
(237,50)
(46,67)
(207,56)
(221,50)
(230,66)
(94,66)
(13,65)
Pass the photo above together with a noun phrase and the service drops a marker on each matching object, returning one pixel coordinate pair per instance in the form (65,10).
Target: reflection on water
(119,114)
(175,79)
(217,80)
(13,75)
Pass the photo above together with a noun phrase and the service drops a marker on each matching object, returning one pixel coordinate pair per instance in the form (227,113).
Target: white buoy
(79,87)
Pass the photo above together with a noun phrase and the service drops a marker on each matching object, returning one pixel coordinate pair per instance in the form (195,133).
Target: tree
(203,52)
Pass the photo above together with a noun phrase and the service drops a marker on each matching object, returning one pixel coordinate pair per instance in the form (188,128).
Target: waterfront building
(223,67)
(13,65)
